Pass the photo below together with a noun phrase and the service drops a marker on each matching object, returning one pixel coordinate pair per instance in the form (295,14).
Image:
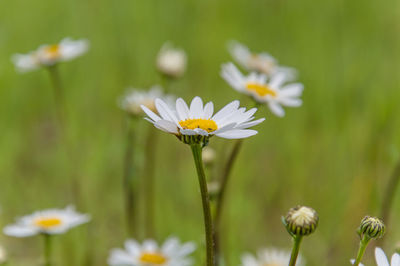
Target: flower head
(262,63)
(171,253)
(372,227)
(48,55)
(171,61)
(133,99)
(301,221)
(269,257)
(51,221)
(198,123)
(271,91)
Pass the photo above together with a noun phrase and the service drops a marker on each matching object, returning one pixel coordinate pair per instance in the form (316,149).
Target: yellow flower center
(153,258)
(46,223)
(52,51)
(260,89)
(273,264)
(205,124)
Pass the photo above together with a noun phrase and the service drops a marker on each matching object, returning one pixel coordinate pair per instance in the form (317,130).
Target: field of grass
(335,153)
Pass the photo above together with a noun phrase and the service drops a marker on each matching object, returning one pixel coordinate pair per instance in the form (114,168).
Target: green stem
(363,245)
(149,181)
(221,197)
(390,193)
(197,150)
(295,250)
(47,250)
(128,180)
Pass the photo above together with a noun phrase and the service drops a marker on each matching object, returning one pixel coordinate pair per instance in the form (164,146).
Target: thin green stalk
(363,245)
(128,180)
(295,250)
(221,197)
(149,167)
(47,251)
(208,224)
(390,193)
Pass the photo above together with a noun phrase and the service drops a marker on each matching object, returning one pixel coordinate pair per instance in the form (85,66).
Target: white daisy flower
(134,98)
(171,253)
(273,91)
(261,63)
(381,259)
(231,122)
(171,61)
(269,257)
(51,221)
(48,55)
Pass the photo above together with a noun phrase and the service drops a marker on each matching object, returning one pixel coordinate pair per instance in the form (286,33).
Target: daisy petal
(150,113)
(237,134)
(196,108)
(182,109)
(231,107)
(380,257)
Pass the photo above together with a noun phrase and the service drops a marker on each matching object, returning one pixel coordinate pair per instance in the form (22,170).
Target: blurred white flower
(48,55)
(269,257)
(381,259)
(51,221)
(3,255)
(261,63)
(208,155)
(171,253)
(231,122)
(273,91)
(171,61)
(134,98)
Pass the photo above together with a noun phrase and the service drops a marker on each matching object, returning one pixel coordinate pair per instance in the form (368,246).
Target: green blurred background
(335,153)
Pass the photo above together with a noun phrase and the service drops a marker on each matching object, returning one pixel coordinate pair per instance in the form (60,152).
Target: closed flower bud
(171,61)
(301,221)
(371,227)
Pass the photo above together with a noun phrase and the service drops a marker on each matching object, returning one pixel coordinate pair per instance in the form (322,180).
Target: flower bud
(208,155)
(301,221)
(371,227)
(214,188)
(171,61)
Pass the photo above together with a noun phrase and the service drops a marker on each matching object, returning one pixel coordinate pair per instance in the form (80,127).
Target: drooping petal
(150,113)
(166,126)
(276,108)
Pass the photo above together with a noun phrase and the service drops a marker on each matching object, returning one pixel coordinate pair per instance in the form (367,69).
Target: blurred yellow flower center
(272,264)
(52,51)
(205,124)
(153,258)
(260,64)
(260,89)
(47,223)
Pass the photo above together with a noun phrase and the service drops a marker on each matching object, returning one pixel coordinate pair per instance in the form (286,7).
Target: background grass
(335,153)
